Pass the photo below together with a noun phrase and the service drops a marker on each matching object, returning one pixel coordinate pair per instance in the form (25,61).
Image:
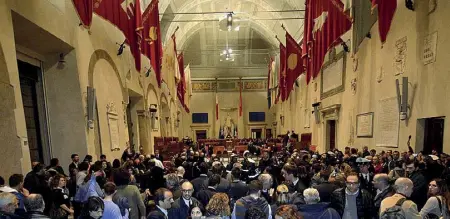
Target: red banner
(181,87)
(386,11)
(240,99)
(294,65)
(325,22)
(282,72)
(126,15)
(85,9)
(152,43)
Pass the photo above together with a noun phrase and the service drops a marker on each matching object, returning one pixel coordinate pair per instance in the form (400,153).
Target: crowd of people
(260,184)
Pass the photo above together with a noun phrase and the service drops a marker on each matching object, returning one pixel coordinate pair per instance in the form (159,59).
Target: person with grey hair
(173,184)
(267,191)
(398,204)
(314,209)
(384,190)
(35,205)
(8,204)
(180,172)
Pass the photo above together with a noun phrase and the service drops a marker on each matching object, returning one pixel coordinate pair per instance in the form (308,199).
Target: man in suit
(365,176)
(224,184)
(290,173)
(205,195)
(325,188)
(163,200)
(238,189)
(201,182)
(158,156)
(384,190)
(74,165)
(180,208)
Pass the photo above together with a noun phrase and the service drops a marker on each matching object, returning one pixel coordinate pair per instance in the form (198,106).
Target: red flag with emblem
(386,11)
(125,15)
(85,9)
(282,72)
(294,65)
(152,44)
(325,23)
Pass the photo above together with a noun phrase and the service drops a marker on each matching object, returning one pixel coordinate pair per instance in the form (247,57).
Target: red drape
(325,22)
(294,65)
(282,72)
(386,11)
(85,9)
(152,43)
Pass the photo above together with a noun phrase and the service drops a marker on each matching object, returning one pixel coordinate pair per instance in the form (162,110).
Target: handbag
(434,216)
(57,212)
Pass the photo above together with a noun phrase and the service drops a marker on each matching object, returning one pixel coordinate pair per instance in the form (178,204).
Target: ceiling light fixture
(229,21)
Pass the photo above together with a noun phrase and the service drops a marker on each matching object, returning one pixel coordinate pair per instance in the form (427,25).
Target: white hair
(311,196)
(180,170)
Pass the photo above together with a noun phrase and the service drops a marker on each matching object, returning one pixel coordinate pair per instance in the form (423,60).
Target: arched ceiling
(202,41)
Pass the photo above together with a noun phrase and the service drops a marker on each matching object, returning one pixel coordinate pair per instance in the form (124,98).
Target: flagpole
(276,36)
(284,28)
(176,29)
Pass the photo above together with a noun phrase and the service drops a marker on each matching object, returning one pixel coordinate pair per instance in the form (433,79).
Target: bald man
(404,188)
(180,208)
(383,189)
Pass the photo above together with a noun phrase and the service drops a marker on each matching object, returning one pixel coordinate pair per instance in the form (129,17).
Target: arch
(151,88)
(95,57)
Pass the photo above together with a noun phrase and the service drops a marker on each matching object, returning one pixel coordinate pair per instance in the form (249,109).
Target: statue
(228,125)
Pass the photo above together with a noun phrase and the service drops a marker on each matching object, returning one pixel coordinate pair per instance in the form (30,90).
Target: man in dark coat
(35,205)
(180,208)
(201,182)
(290,173)
(353,202)
(325,188)
(384,190)
(205,195)
(238,189)
(365,175)
(163,200)
(254,199)
(419,195)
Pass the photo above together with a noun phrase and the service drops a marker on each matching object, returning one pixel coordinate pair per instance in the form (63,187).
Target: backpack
(394,212)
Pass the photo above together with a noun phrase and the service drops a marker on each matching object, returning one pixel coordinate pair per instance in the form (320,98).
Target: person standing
(163,200)
(352,202)
(35,206)
(180,207)
(404,189)
(111,209)
(383,189)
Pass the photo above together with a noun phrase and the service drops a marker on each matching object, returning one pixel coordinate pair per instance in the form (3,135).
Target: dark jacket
(36,215)
(388,192)
(156,214)
(181,210)
(364,203)
(200,183)
(205,195)
(237,190)
(224,185)
(247,202)
(367,185)
(419,195)
(5,215)
(320,210)
(325,190)
(299,187)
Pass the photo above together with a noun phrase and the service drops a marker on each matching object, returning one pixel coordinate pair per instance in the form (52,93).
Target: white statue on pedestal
(228,127)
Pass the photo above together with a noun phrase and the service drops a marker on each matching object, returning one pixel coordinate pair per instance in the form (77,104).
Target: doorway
(256,133)
(430,134)
(200,134)
(33,107)
(331,134)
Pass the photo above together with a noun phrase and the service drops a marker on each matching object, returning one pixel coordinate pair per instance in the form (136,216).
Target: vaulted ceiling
(203,37)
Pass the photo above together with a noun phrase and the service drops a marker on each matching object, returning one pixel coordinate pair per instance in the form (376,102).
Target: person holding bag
(437,204)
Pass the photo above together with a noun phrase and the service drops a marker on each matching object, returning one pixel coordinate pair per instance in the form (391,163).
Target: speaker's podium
(229,145)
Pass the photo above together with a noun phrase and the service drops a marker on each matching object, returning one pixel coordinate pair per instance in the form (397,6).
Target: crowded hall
(224,109)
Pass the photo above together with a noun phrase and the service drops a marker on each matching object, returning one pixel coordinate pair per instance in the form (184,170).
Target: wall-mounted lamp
(229,21)
(61,62)
(121,47)
(282,120)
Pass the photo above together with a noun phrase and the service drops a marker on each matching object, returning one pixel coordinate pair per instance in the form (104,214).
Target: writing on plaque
(388,123)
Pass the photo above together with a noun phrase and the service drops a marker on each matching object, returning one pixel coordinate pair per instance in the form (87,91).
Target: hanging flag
(217,107)
(325,23)
(240,99)
(187,76)
(386,11)
(282,81)
(181,86)
(269,84)
(125,15)
(294,65)
(152,44)
(85,9)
